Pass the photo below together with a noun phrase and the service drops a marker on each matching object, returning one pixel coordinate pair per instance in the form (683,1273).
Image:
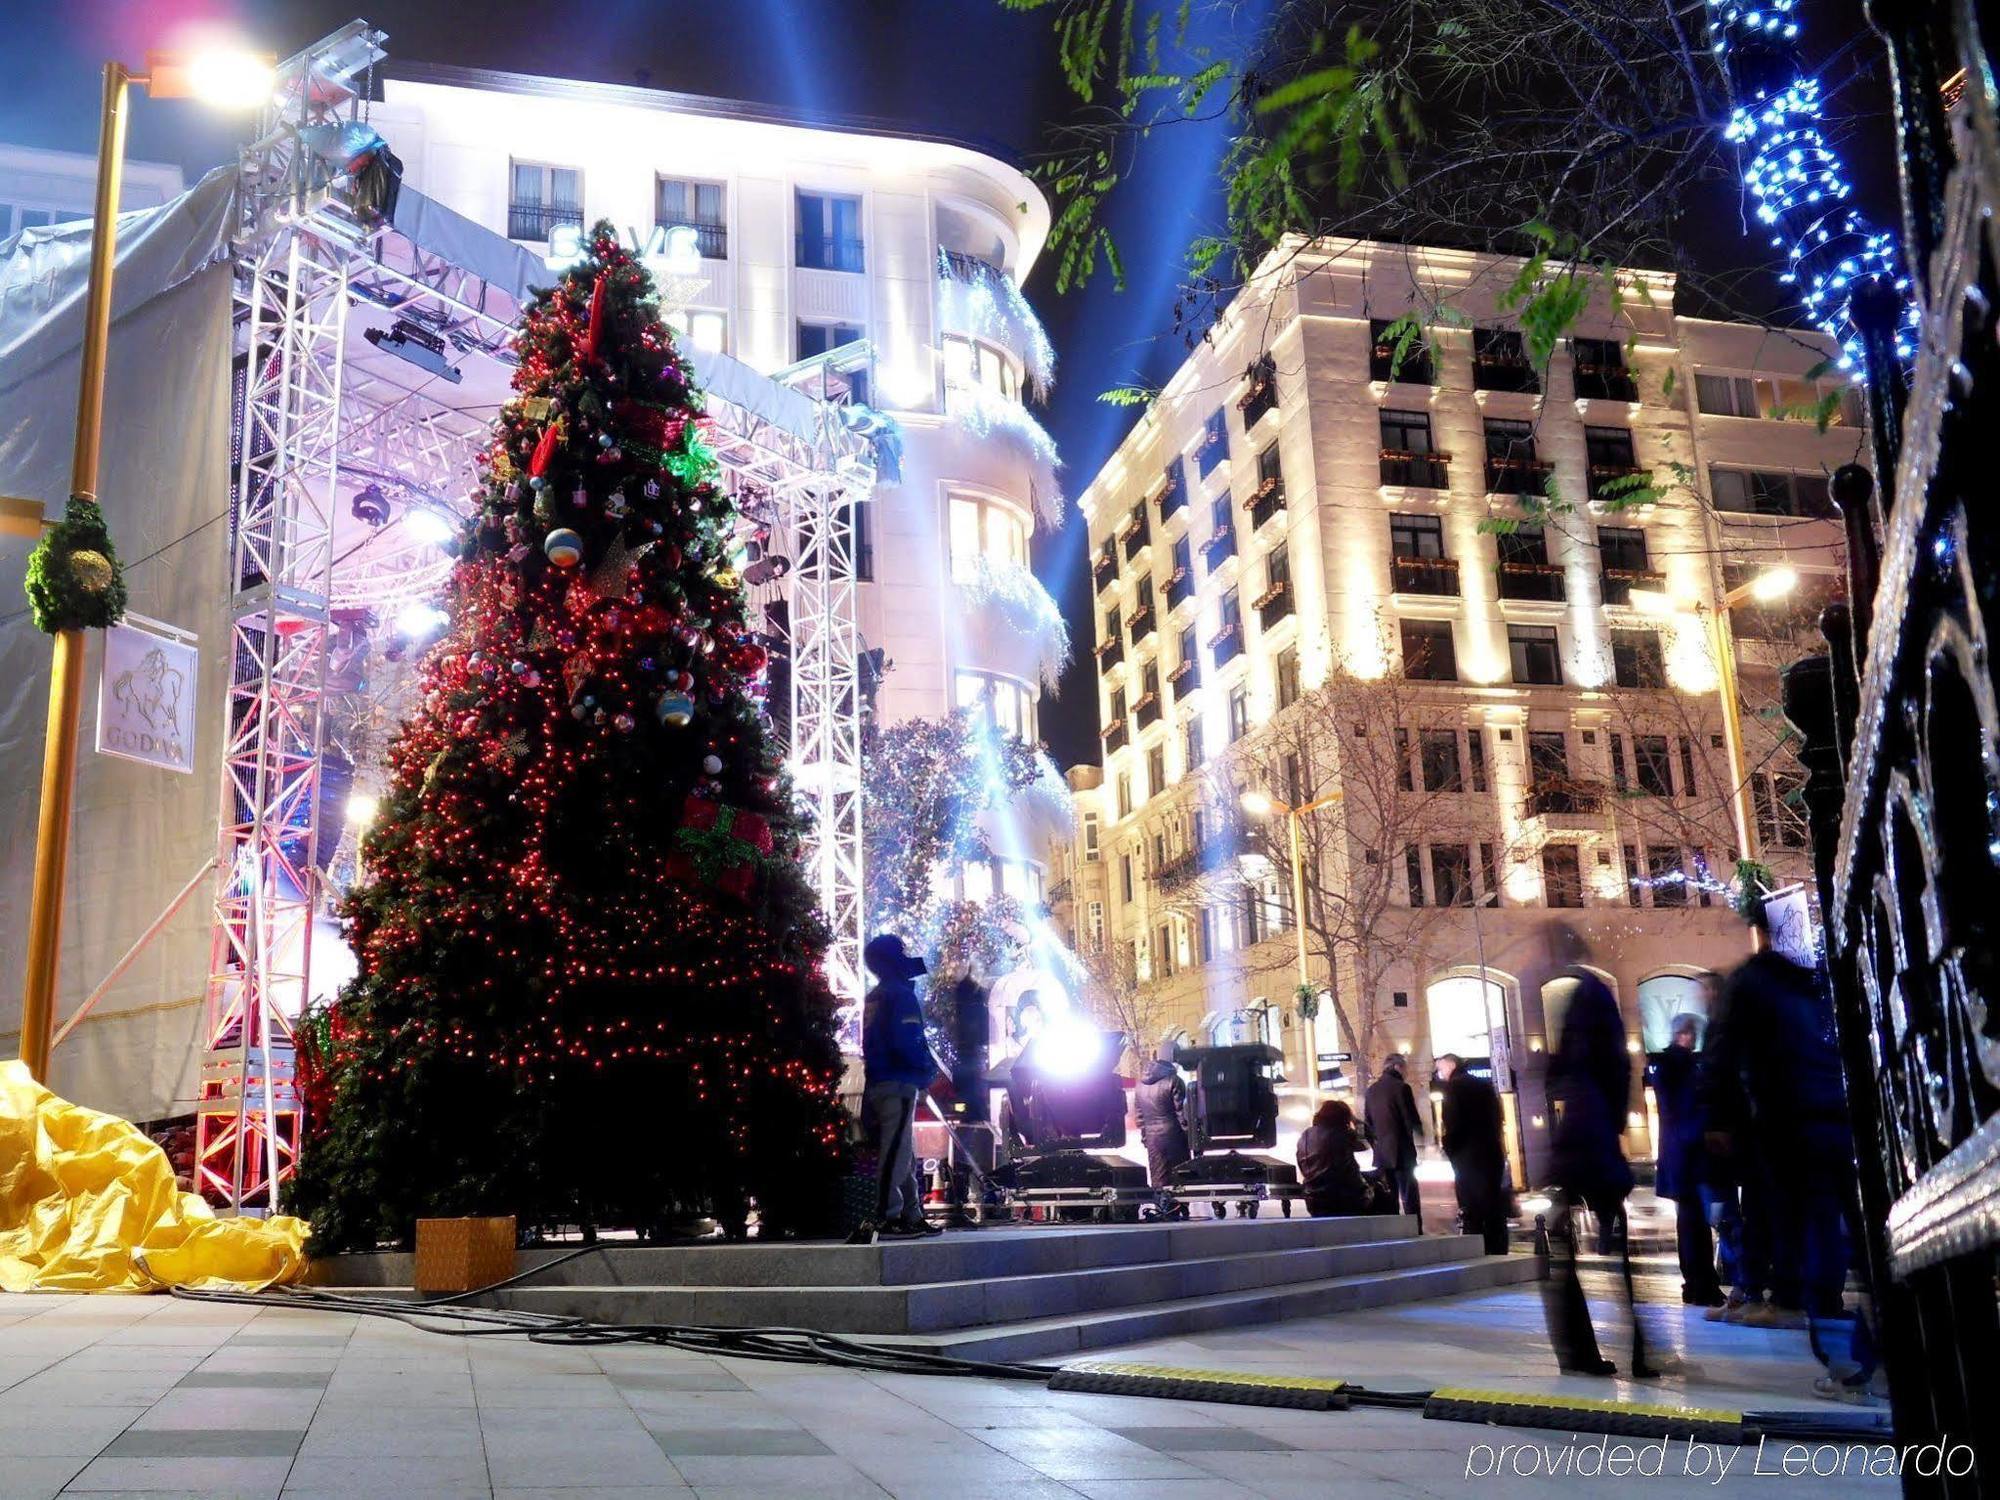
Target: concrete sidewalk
(146,1395)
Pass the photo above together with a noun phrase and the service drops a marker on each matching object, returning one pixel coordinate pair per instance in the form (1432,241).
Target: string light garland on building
(1801,187)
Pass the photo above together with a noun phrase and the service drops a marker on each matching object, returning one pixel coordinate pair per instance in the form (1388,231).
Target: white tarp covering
(139,833)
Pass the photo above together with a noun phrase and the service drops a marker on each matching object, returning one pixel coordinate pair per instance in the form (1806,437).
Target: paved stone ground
(146,1395)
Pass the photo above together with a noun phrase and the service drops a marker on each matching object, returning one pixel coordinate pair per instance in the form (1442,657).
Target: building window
(995,531)
(1090,838)
(1214,445)
(815,339)
(1619,777)
(1637,659)
(1623,548)
(700,328)
(1599,371)
(1163,952)
(1275,603)
(1227,643)
(1512,465)
(1262,397)
(540,198)
(973,369)
(850,371)
(681,204)
(1208,935)
(1428,655)
(1269,496)
(1191,757)
(1239,712)
(829,232)
(1413,873)
(1404,355)
(1653,764)
(1405,779)
(1407,455)
(1156,769)
(1687,766)
(1002,703)
(1666,877)
(1500,362)
(1634,885)
(1489,876)
(1774,396)
(1096,928)
(1451,875)
(1760,493)
(1124,794)
(1416,536)
(1286,674)
(1533,652)
(1125,866)
(1475,744)
(1614,467)
(1778,797)
(1437,750)
(1562,875)
(1548,759)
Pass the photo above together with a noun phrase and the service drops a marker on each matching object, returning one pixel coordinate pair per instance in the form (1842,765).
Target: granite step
(1069,1336)
(925,1307)
(1001,1250)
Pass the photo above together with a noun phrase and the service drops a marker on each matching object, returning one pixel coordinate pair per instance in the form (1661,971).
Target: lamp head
(1257,804)
(1774,583)
(222,77)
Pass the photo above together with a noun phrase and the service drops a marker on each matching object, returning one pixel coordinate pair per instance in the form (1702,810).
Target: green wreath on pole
(74,581)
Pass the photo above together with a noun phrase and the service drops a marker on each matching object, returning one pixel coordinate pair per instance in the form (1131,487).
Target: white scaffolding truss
(323,414)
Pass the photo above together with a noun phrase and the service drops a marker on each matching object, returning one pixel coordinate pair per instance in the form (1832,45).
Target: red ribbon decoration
(596,329)
(545,449)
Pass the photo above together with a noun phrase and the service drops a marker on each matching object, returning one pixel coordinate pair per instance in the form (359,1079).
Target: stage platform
(1006,1292)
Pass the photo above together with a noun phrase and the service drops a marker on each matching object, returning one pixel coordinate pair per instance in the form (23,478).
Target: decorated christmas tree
(589,984)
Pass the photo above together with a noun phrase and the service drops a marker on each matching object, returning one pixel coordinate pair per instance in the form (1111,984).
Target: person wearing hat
(896,1067)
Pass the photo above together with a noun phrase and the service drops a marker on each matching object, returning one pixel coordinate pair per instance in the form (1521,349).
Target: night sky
(961,68)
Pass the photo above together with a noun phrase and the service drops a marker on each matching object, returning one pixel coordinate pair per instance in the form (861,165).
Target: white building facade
(848,260)
(1314,500)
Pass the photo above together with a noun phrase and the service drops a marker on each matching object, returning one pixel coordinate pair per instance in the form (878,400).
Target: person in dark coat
(897,1066)
(971,1136)
(1474,1141)
(1683,1168)
(1161,1101)
(1394,1128)
(1590,1087)
(1327,1169)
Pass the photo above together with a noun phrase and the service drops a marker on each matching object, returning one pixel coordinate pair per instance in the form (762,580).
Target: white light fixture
(1774,583)
(362,808)
(419,620)
(427,526)
(1257,804)
(1068,1047)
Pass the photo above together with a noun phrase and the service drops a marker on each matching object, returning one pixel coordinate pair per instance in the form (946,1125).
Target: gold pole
(1732,741)
(38,993)
(1293,817)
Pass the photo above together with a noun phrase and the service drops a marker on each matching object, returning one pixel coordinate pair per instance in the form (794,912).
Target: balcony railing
(1267,502)
(1564,797)
(1142,623)
(1185,677)
(1605,383)
(1219,548)
(1177,869)
(710,240)
(1418,471)
(827,253)
(1136,535)
(1104,571)
(1110,652)
(1227,643)
(537,221)
(1538,581)
(1425,575)
(1517,476)
(962,267)
(1116,734)
(1612,482)
(1180,587)
(1619,583)
(1274,603)
(1147,709)
(1504,372)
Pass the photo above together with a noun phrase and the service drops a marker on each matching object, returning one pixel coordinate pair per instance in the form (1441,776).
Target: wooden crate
(459,1255)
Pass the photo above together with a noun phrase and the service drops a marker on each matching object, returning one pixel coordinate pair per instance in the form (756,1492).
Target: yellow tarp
(88,1204)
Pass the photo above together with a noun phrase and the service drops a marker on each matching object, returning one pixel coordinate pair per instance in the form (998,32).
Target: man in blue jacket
(896,1068)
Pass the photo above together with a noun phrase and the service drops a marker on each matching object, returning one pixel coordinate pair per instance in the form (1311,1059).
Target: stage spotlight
(427,526)
(767,569)
(370,505)
(419,346)
(362,807)
(1069,1047)
(419,620)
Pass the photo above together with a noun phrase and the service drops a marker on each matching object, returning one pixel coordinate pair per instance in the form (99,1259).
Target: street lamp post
(1768,586)
(226,79)
(1263,805)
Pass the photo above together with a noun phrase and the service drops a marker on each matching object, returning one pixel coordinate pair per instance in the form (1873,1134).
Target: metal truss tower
(322,414)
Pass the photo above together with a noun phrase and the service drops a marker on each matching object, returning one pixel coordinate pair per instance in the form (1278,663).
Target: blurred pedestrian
(1683,1166)
(1590,1086)
(1328,1172)
(1394,1128)
(896,1068)
(1474,1142)
(970,1113)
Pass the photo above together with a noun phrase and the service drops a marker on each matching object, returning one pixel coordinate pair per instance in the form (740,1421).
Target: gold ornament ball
(92,570)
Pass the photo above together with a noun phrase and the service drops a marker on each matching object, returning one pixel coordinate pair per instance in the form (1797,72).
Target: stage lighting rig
(419,346)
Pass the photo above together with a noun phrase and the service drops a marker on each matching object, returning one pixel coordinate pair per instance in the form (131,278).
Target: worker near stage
(1161,1100)
(896,1068)
(971,1134)
(1394,1128)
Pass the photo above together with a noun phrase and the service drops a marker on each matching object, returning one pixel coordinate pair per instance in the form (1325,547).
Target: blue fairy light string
(1800,186)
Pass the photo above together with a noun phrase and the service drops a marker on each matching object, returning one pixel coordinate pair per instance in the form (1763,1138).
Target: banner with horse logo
(145,696)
